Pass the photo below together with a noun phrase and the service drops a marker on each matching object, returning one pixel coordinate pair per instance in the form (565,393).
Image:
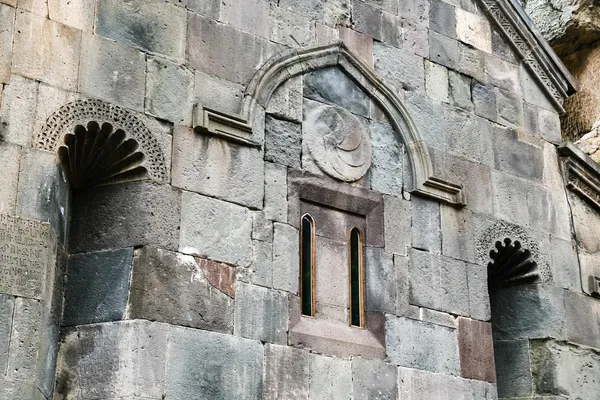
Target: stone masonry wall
(186,286)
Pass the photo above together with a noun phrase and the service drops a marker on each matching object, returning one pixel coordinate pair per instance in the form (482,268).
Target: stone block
(510,108)
(12,3)
(261,314)
(177,289)
(286,101)
(287,372)
(415,10)
(533,91)
(586,222)
(283,142)
(479,298)
(403,306)
(330,378)
(426,229)
(359,44)
(262,227)
(79,14)
(564,264)
(582,319)
(97,287)
(212,166)
(442,18)
(549,125)
(217,94)
(436,317)
(118,359)
(484,101)
(375,22)
(438,282)
(380,285)
(24,340)
(400,68)
(474,30)
(475,346)
(19,99)
(387,159)
(224,51)
(208,8)
(529,311)
(45,50)
(443,50)
(156,27)
(250,16)
(112,72)
(169,91)
(288,28)
(276,192)
(11,156)
(517,157)
(421,345)
(261,269)
(471,62)
(49,99)
(415,37)
(502,74)
(457,233)
(374,379)
(7,306)
(285,258)
(414,384)
(333,86)
(332,278)
(215,229)
(469,135)
(37,7)
(460,90)
(397,220)
(125,215)
(530,119)
(7,21)
(510,196)
(436,81)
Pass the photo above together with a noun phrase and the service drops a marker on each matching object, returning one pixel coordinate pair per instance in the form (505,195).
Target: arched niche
(247,128)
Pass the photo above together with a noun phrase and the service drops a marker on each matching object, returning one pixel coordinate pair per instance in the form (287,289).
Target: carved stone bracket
(581,173)
(244,127)
(531,46)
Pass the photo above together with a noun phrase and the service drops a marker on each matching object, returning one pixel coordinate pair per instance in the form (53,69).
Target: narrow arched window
(307,265)
(356,278)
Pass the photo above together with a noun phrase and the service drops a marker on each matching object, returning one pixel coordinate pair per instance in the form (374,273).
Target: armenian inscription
(24,247)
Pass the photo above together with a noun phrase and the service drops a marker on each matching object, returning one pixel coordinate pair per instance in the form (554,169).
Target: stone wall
(173,240)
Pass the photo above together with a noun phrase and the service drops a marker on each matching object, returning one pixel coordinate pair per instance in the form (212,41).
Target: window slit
(307,265)
(356,278)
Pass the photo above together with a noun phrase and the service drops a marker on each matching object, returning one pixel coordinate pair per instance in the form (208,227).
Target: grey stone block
(443,50)
(46,51)
(261,314)
(484,100)
(375,22)
(46,372)
(125,215)
(442,18)
(469,135)
(359,44)
(97,287)
(79,15)
(387,160)
(215,229)
(436,317)
(285,258)
(208,8)
(169,91)
(428,116)
(25,340)
(224,51)
(118,359)
(283,142)
(290,29)
(7,306)
(530,119)
(501,73)
(374,379)
(262,227)
(250,16)
(400,68)
(426,229)
(261,269)
(414,384)
(19,100)
(582,319)
(510,108)
(286,101)
(530,311)
(276,192)
(416,344)
(457,233)
(156,26)
(176,289)
(11,156)
(533,91)
(460,90)
(471,62)
(549,125)
(479,298)
(403,306)
(516,157)
(415,10)
(49,99)
(331,13)
(218,94)
(438,282)
(397,221)
(286,373)
(204,365)
(380,285)
(564,264)
(112,72)
(510,196)
(330,378)
(415,37)
(217,168)
(7,20)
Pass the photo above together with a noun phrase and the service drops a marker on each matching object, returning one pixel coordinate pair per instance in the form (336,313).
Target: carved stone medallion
(338,141)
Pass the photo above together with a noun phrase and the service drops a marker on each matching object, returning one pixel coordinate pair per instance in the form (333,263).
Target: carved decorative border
(581,174)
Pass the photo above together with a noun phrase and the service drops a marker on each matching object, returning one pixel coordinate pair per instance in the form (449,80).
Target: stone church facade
(250,199)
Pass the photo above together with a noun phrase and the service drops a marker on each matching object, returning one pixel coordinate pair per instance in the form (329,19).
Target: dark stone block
(125,215)
(515,157)
(442,18)
(97,287)
(7,306)
(283,142)
(476,350)
(582,319)
(443,50)
(484,100)
(513,368)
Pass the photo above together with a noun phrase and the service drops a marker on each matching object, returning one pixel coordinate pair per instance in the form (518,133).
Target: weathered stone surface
(471,62)
(484,101)
(415,37)
(510,108)
(330,378)
(49,99)
(438,282)
(47,51)
(473,30)
(400,68)
(469,135)
(330,13)
(415,10)
(11,156)
(224,51)
(436,317)
(476,350)
(169,91)
(218,94)
(397,221)
(426,230)
(289,29)
(375,22)
(285,258)
(515,156)
(359,44)
(460,90)
(97,287)
(113,72)
(261,268)
(173,288)
(373,379)
(7,306)
(215,167)
(416,344)
(286,373)
(276,192)
(479,298)
(79,15)
(215,229)
(457,233)
(283,142)
(261,314)
(332,282)
(286,101)
(250,16)
(204,364)
(380,285)
(19,100)
(388,159)
(443,50)
(549,125)
(582,319)
(564,264)
(414,384)
(7,20)
(436,81)
(513,368)
(442,18)
(24,340)
(221,276)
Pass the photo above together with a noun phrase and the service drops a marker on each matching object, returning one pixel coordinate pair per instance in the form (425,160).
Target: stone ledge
(581,173)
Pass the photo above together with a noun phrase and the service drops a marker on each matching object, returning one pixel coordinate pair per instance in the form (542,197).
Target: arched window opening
(356,278)
(307,265)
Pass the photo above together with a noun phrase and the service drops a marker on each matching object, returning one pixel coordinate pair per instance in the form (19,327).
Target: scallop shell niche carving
(338,141)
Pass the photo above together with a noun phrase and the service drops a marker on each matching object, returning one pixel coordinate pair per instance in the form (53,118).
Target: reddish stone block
(476,350)
(221,276)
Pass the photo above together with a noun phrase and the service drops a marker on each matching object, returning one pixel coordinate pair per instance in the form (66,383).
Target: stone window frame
(361,276)
(313,268)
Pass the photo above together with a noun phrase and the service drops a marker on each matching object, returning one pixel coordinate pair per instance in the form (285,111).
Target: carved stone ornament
(81,112)
(338,141)
(581,174)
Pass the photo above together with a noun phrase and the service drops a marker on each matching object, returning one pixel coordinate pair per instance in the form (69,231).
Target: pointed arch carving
(81,112)
(245,128)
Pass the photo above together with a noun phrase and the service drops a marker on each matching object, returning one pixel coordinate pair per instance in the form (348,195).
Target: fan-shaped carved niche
(510,265)
(94,155)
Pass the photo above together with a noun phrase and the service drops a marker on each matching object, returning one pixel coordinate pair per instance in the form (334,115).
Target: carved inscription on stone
(24,256)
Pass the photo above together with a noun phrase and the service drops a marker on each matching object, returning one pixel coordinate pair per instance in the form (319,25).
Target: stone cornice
(534,50)
(581,173)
